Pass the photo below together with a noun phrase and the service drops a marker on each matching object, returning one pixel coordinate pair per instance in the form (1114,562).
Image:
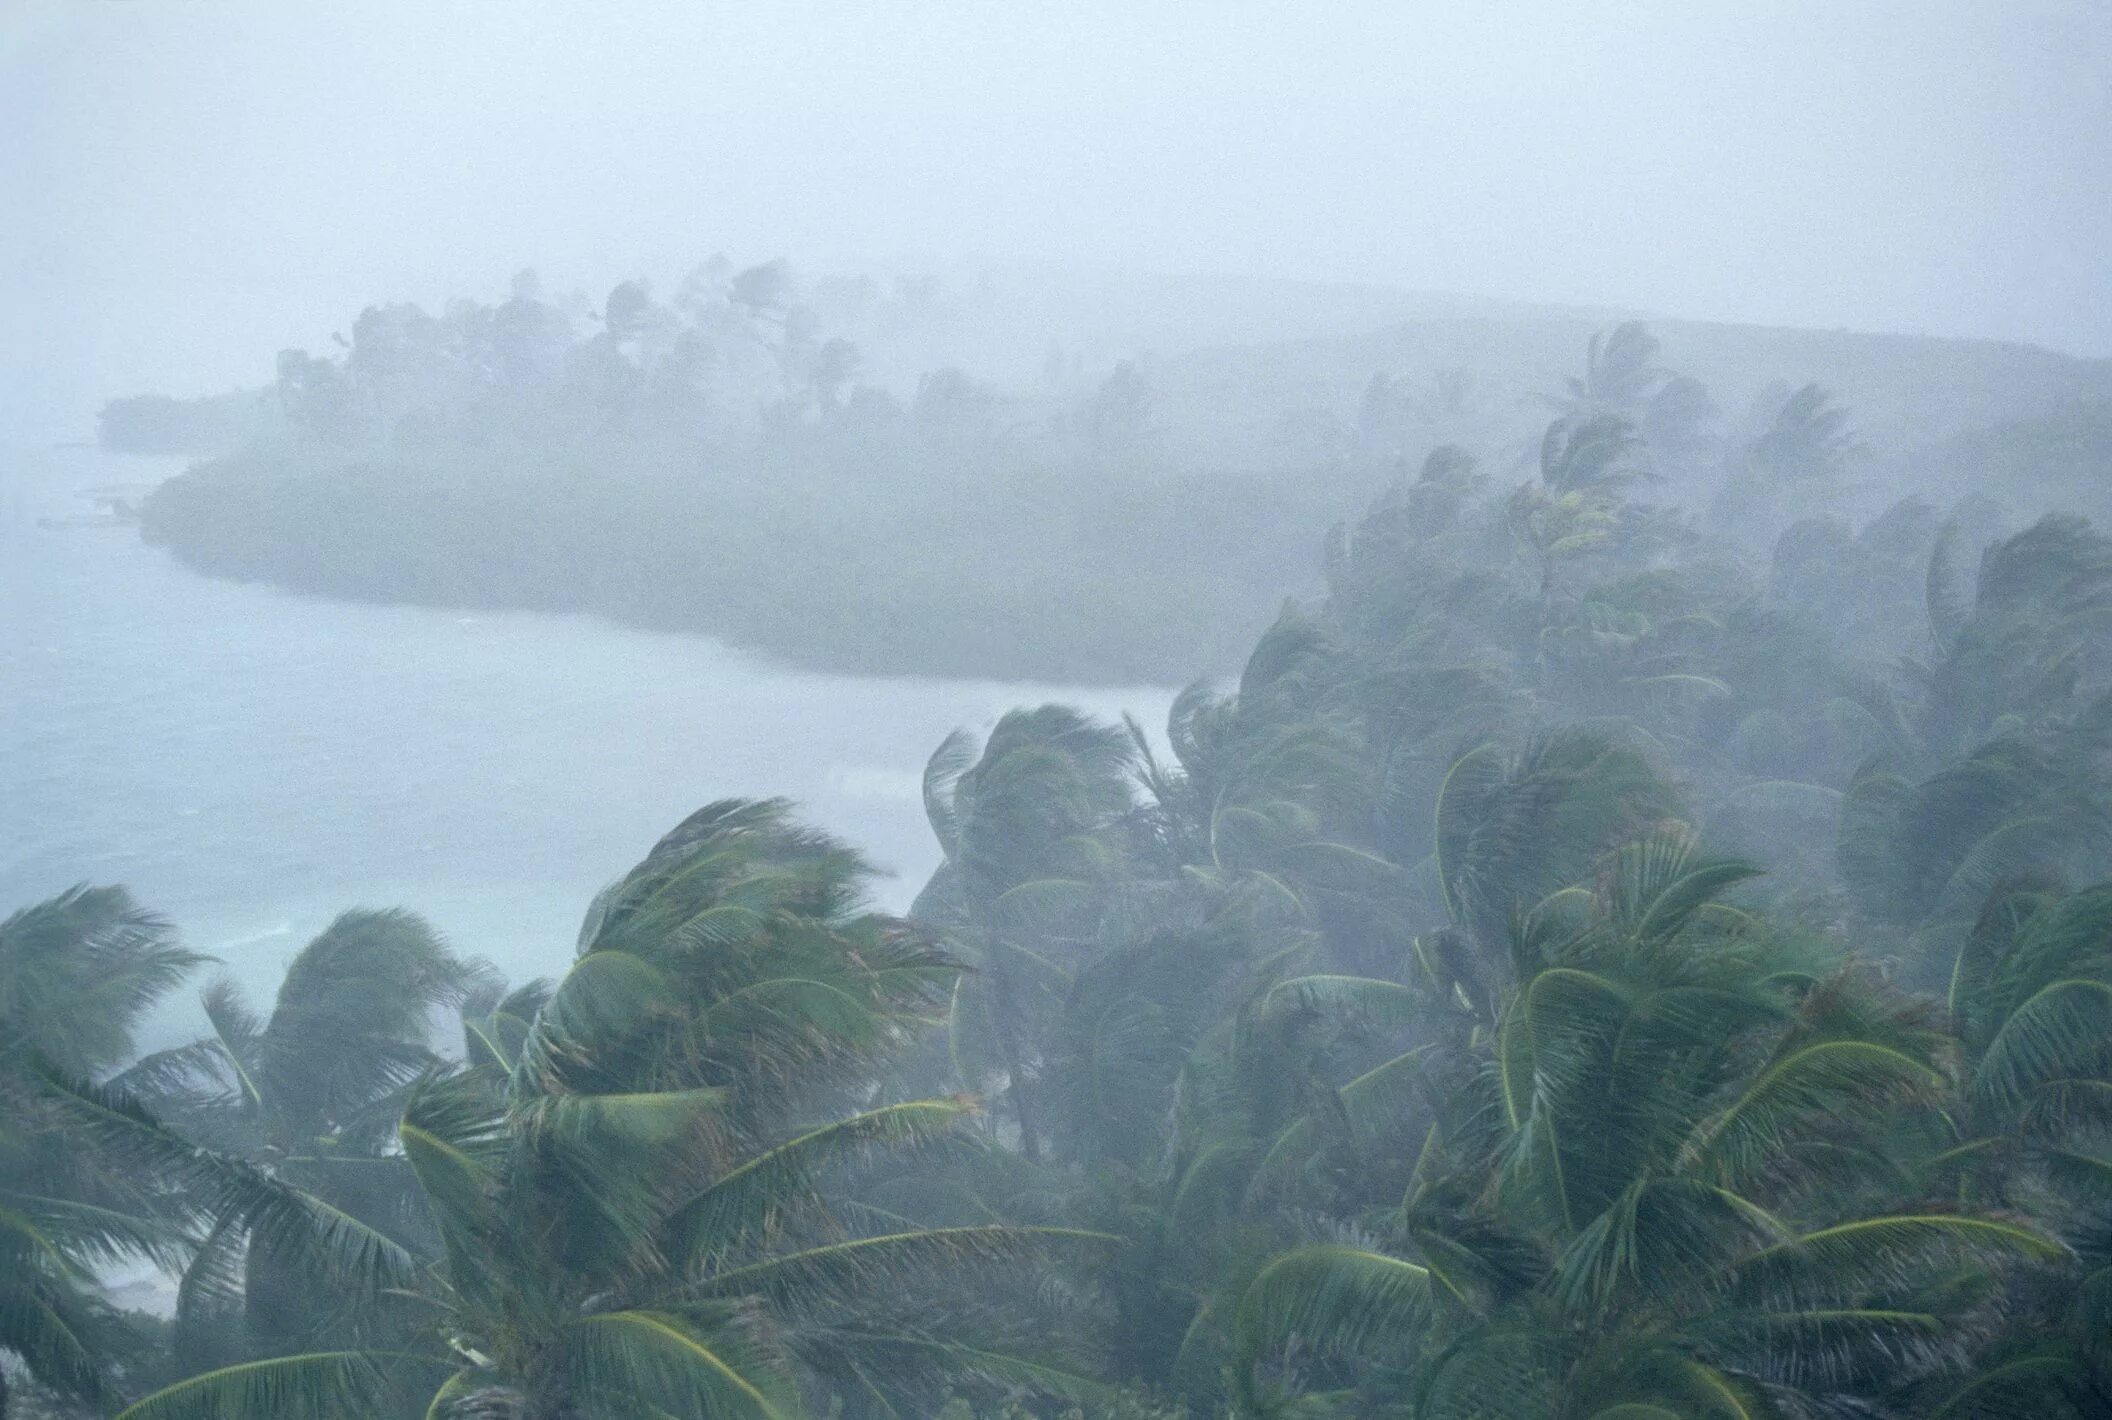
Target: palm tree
(2026,649)
(1515,825)
(1619,376)
(2030,995)
(1266,801)
(1795,455)
(1673,1197)
(1997,771)
(1805,439)
(1575,508)
(76,972)
(1023,821)
(311,1093)
(634,1203)
(1925,852)
(2030,1003)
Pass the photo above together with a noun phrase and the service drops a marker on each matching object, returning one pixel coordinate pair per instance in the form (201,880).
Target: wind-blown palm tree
(1927,852)
(1619,374)
(312,1093)
(1513,826)
(633,1203)
(76,972)
(1672,1198)
(2027,648)
(2030,1002)
(1023,822)
(1794,457)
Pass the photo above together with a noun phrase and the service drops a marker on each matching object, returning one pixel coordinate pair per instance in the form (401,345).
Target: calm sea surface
(250,762)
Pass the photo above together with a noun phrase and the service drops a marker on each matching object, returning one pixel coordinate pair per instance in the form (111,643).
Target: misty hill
(1042,475)
(1904,391)
(2061,458)
(999,322)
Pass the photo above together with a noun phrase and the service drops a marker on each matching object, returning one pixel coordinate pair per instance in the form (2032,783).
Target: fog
(189,185)
(1155,712)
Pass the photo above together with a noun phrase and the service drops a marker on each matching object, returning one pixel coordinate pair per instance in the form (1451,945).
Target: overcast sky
(187,185)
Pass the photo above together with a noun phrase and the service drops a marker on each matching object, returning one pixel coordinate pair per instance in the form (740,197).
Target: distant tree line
(717,461)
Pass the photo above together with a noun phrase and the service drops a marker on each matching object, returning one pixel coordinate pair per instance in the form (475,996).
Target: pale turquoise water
(249,762)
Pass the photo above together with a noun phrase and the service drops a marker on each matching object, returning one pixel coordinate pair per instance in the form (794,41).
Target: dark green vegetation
(653,1188)
(805,469)
(1582,968)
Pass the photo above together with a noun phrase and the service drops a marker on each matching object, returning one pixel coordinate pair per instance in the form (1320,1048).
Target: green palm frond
(688,1362)
(78,970)
(1662,1238)
(953,758)
(1849,1258)
(324,1385)
(605,998)
(1383,1002)
(2043,1387)
(863,1266)
(1806,1086)
(87,1235)
(753,1196)
(45,1327)
(280,1217)
(1839,1347)
(1337,1300)
(2059,1032)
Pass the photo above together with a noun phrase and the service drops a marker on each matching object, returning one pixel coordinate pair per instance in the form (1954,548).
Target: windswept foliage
(632,1209)
(1575,970)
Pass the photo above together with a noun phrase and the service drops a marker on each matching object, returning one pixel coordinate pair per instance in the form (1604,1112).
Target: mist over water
(252,762)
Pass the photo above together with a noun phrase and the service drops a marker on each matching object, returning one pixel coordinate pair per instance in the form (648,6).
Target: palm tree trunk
(1007,1020)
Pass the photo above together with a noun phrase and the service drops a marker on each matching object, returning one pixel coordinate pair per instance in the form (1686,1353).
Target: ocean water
(250,762)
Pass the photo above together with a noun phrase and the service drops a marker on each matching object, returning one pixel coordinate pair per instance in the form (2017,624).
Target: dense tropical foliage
(1597,962)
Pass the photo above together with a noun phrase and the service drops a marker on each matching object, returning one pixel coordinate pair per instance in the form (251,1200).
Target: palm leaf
(1805,1086)
(669,1360)
(1849,1258)
(325,1385)
(2059,1031)
(747,1199)
(863,1266)
(1336,1299)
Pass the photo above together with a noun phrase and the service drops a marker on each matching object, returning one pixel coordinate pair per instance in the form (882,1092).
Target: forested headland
(1020,476)
(1635,943)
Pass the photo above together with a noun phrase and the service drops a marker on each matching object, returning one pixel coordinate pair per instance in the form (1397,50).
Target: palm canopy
(1620,373)
(2026,648)
(309,1093)
(347,1033)
(1515,825)
(1683,1141)
(1418,1055)
(633,1200)
(739,955)
(1027,823)
(76,973)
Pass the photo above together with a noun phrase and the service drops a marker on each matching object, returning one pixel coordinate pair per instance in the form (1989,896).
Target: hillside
(1227,402)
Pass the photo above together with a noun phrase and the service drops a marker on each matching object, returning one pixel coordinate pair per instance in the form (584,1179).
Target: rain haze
(192,184)
(1026,712)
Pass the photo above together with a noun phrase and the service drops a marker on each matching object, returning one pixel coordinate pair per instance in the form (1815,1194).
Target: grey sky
(190,184)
